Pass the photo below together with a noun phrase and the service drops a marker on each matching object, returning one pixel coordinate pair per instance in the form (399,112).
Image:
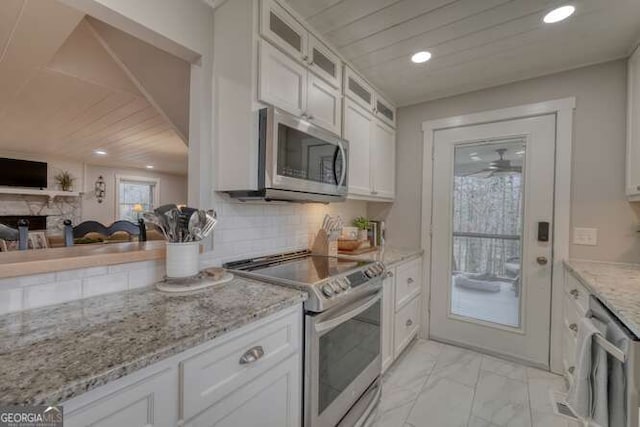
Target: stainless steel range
(342,331)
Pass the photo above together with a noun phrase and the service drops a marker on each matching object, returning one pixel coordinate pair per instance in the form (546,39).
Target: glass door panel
(488,187)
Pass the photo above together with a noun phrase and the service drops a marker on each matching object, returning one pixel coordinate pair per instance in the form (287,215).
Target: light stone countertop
(388,255)
(51,354)
(616,285)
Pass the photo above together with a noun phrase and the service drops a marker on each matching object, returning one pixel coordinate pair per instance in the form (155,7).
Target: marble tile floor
(438,385)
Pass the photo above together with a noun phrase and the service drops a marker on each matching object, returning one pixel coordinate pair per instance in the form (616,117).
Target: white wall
(173,189)
(598,198)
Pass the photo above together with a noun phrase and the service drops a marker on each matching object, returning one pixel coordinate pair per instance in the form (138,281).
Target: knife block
(325,244)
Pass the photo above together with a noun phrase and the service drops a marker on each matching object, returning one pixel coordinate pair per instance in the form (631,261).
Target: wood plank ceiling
(73,98)
(475,43)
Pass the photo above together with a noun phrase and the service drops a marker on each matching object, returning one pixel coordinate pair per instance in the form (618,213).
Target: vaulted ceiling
(475,43)
(70,86)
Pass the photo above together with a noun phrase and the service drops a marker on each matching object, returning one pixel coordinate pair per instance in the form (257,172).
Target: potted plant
(363,225)
(64,179)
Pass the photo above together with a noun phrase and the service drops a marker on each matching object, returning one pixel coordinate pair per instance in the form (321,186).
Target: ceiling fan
(497,167)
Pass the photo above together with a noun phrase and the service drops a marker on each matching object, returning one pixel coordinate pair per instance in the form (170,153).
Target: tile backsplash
(251,229)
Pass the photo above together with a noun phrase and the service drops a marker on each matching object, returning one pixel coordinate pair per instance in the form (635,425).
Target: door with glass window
(493,187)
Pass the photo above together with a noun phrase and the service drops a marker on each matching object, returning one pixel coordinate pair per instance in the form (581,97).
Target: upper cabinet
(266,54)
(633,128)
(279,27)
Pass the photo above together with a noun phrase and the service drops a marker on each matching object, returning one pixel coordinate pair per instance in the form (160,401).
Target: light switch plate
(585,236)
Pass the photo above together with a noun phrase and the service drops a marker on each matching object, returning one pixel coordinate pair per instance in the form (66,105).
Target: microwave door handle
(344,165)
(335,161)
(335,321)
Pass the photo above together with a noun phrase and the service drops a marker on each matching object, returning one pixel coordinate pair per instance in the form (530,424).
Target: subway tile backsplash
(244,230)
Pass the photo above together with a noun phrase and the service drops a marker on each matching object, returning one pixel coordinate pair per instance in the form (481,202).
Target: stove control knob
(327,290)
(336,286)
(344,283)
(368,273)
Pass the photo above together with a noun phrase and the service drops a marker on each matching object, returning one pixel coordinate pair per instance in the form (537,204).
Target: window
(134,196)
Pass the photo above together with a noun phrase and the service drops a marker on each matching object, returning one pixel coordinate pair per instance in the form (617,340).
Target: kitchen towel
(617,379)
(587,396)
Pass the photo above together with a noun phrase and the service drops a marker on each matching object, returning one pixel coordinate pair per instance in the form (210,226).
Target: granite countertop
(388,255)
(52,354)
(616,285)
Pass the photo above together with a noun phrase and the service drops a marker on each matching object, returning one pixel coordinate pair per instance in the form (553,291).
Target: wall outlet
(585,236)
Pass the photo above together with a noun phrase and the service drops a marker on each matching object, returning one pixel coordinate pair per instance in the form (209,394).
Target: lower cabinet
(575,306)
(400,308)
(251,376)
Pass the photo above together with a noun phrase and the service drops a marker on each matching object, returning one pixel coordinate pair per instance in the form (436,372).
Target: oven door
(342,358)
(303,157)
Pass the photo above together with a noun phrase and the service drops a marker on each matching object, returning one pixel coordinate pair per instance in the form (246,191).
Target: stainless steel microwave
(298,161)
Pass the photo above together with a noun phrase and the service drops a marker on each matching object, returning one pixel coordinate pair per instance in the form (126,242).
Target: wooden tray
(359,251)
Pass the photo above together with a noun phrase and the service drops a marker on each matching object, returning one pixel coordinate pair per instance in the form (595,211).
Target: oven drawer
(209,376)
(408,281)
(407,323)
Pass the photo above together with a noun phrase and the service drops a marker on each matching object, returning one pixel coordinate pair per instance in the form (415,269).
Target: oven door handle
(335,321)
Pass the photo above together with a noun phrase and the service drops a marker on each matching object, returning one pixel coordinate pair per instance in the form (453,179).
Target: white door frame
(563,110)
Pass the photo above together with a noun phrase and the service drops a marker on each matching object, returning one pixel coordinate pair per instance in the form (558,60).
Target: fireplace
(36,222)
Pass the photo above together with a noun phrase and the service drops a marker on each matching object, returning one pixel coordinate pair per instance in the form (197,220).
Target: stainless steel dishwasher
(624,367)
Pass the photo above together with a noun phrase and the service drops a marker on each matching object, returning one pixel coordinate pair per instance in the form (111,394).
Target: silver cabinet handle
(573,327)
(310,116)
(409,322)
(638,187)
(389,273)
(409,280)
(252,355)
(574,293)
(571,369)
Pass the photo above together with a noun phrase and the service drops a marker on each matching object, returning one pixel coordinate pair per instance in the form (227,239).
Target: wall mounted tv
(23,173)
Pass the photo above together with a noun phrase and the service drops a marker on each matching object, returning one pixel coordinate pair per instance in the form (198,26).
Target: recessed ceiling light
(559,14)
(149,166)
(520,152)
(421,57)
(476,158)
(100,152)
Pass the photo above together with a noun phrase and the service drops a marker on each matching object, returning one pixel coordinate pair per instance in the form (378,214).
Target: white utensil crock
(183,259)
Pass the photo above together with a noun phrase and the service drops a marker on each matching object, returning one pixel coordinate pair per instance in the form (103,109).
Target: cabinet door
(385,111)
(278,26)
(324,104)
(357,89)
(383,160)
(272,399)
(388,316)
(150,402)
(406,325)
(282,81)
(325,62)
(633,127)
(357,130)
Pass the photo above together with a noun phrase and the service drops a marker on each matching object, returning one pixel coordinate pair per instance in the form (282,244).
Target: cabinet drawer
(209,376)
(273,399)
(408,281)
(407,322)
(569,344)
(577,292)
(572,312)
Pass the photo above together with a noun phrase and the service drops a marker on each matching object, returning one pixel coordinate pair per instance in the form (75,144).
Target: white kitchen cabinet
(633,127)
(324,62)
(371,154)
(388,315)
(400,308)
(357,125)
(290,86)
(282,29)
(270,400)
(575,307)
(324,104)
(385,111)
(383,160)
(143,400)
(213,384)
(282,81)
(356,88)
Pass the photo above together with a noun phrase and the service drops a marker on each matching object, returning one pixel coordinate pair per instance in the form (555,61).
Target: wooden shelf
(50,194)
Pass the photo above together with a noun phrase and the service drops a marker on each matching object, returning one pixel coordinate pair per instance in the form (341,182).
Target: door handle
(542,260)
